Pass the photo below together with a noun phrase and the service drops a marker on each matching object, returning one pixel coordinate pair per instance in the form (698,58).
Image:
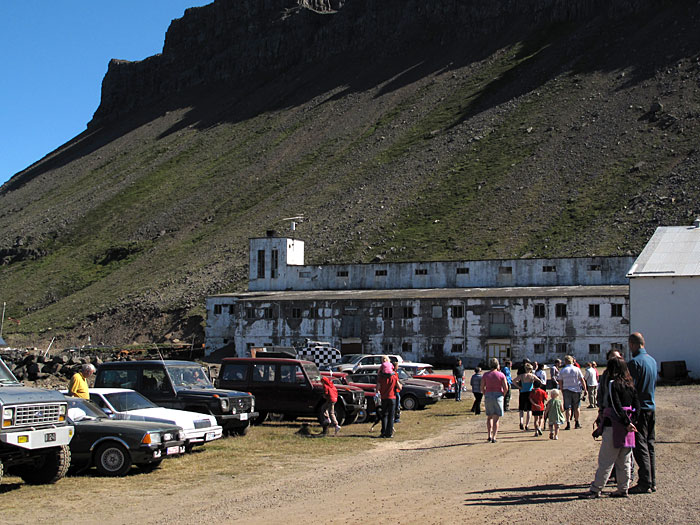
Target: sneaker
(568,426)
(522,427)
(653,489)
(337,429)
(589,495)
(618,494)
(551,436)
(556,437)
(577,425)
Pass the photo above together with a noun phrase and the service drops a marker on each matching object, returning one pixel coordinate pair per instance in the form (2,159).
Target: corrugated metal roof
(434,293)
(672,250)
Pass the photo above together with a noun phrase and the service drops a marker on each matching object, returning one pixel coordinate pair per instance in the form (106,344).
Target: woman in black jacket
(619,408)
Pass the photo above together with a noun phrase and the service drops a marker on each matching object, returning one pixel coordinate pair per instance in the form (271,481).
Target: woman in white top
(591,377)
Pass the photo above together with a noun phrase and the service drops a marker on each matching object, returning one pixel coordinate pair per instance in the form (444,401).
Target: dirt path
(456,476)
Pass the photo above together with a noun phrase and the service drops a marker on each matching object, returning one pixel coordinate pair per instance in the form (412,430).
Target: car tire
(149,467)
(362,416)
(48,469)
(409,402)
(112,460)
(241,431)
(349,420)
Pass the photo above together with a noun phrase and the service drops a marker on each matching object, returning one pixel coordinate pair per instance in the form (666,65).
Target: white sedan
(123,403)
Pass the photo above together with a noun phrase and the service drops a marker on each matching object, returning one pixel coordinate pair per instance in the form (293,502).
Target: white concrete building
(435,311)
(665,295)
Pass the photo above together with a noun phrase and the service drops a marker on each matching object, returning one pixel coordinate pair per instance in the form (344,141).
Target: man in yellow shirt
(78,386)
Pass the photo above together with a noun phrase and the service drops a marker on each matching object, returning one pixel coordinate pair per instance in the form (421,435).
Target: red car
(421,371)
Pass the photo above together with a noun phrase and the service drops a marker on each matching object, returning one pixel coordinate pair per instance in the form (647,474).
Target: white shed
(665,295)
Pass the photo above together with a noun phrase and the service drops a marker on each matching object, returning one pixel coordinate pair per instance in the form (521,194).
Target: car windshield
(350,359)
(184,377)
(312,371)
(124,401)
(6,377)
(403,374)
(92,411)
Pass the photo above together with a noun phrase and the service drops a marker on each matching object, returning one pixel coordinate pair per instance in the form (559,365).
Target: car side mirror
(108,411)
(77,414)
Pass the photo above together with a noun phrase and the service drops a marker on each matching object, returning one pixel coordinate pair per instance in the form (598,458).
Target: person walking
(643,370)
(330,396)
(458,373)
(538,397)
(615,424)
(591,377)
(554,373)
(554,413)
(476,390)
(506,371)
(572,384)
(541,373)
(388,386)
(494,387)
(526,382)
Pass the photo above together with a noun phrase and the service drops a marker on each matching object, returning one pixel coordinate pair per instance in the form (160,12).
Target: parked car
(406,378)
(413,396)
(350,363)
(290,387)
(183,385)
(423,371)
(113,446)
(130,405)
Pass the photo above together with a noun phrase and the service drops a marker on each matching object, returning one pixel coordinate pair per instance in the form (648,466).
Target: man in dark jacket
(388,386)
(458,373)
(643,370)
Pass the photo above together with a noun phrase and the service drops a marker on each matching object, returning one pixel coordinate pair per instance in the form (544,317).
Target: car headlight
(168,436)
(8,414)
(151,438)
(252,403)
(62,412)
(181,435)
(430,393)
(224,404)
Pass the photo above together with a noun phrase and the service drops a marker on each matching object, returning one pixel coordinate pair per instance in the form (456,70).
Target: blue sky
(53,56)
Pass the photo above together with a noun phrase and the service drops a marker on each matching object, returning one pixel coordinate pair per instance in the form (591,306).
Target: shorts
(537,412)
(571,399)
(493,403)
(524,402)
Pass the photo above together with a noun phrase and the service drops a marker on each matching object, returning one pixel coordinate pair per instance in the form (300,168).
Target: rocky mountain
(401,129)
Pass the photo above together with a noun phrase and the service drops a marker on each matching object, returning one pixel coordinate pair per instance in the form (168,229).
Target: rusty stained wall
(434,332)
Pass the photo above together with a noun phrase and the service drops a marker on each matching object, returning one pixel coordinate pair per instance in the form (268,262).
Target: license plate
(51,436)
(172,450)
(244,417)
(210,436)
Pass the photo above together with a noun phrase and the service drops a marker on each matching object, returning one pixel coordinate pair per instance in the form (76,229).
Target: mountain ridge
(562,135)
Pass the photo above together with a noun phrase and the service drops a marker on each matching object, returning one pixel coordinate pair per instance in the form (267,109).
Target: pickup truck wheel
(51,467)
(112,459)
(241,431)
(409,402)
(150,467)
(262,417)
(349,420)
(362,416)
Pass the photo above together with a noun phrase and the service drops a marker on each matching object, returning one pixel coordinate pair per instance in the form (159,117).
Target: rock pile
(31,367)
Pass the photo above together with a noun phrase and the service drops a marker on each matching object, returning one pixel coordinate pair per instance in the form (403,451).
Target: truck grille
(30,415)
(242,404)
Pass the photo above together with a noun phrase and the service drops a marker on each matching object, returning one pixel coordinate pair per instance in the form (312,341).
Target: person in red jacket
(388,385)
(538,398)
(330,394)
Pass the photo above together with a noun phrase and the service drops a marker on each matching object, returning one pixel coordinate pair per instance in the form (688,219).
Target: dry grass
(272,446)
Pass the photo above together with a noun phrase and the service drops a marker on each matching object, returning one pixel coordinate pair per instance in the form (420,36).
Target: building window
(462,271)
(231,309)
(407,312)
(505,270)
(342,273)
(549,269)
(388,312)
(314,313)
(421,271)
(437,312)
(594,267)
(296,313)
(539,348)
(388,348)
(274,263)
(261,264)
(593,310)
(268,313)
(380,273)
(457,348)
(619,347)
(457,311)
(250,313)
(406,347)
(562,348)
(594,349)
(436,348)
(615,310)
(217,309)
(561,310)
(539,310)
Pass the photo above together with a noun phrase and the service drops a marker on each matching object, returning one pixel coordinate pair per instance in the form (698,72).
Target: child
(386,367)
(537,399)
(554,413)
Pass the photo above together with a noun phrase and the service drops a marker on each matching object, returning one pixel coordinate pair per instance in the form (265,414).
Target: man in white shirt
(572,383)
(591,377)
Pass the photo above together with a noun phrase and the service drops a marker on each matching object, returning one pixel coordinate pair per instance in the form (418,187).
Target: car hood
(424,383)
(16,394)
(209,392)
(181,418)
(115,426)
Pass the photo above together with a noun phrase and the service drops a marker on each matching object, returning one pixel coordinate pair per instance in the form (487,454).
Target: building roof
(433,293)
(671,251)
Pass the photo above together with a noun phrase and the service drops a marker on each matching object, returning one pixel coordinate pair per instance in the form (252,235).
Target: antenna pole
(2,323)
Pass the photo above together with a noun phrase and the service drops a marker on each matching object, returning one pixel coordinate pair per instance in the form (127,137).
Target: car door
(264,387)
(295,391)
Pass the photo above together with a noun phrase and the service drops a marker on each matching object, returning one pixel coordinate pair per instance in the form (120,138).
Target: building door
(500,349)
(351,345)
